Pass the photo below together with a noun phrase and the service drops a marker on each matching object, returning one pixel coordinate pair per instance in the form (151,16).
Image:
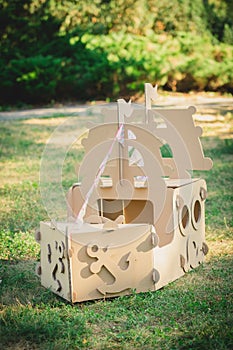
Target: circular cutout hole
(185,216)
(197,211)
(95,248)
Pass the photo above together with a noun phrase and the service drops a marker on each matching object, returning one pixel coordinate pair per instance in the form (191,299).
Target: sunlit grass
(195,312)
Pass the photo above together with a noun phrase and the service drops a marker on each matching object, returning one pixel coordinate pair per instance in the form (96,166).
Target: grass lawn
(194,312)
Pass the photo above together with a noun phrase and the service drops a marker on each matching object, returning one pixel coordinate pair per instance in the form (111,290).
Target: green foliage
(179,63)
(220,19)
(95,49)
(103,17)
(32,78)
(72,72)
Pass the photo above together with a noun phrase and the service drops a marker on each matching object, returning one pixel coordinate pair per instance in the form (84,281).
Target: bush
(182,63)
(43,78)
(100,66)
(95,49)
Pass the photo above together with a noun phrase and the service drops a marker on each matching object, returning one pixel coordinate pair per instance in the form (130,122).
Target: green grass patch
(194,312)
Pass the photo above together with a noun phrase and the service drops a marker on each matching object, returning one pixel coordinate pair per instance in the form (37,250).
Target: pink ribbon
(118,137)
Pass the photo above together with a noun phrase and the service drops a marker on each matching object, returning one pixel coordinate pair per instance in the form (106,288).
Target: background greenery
(96,49)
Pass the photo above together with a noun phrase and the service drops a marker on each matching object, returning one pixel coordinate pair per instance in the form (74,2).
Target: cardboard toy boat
(137,219)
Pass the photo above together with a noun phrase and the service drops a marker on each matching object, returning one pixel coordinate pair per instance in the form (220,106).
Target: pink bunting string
(118,137)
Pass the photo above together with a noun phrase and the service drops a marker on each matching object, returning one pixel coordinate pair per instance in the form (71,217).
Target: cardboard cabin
(137,219)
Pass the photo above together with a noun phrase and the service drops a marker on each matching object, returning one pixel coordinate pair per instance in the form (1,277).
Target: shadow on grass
(195,312)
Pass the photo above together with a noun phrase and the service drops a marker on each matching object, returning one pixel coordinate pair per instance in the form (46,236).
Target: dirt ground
(206,104)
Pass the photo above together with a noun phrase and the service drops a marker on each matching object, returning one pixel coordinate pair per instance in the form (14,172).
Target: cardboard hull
(92,262)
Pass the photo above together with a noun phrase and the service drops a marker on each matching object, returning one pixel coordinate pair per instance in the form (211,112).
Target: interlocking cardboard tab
(137,219)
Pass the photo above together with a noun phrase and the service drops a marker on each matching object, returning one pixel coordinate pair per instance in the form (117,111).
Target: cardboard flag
(150,94)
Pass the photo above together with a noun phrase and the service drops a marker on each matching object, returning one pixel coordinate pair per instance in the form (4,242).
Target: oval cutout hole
(185,216)
(197,211)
